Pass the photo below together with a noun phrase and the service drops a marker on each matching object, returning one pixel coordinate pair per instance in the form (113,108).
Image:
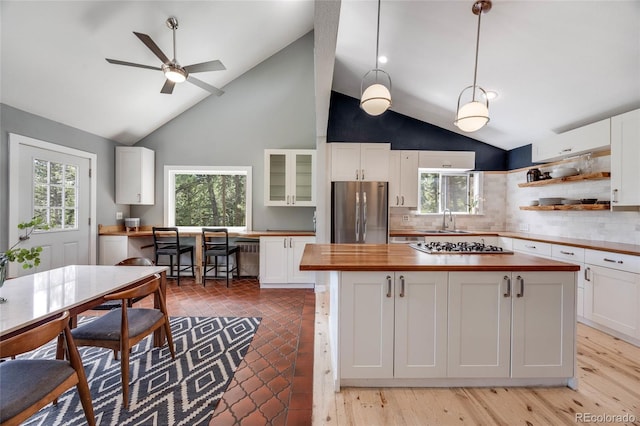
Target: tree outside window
(209,196)
(454,191)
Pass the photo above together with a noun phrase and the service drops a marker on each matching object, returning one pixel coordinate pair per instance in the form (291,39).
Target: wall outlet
(524,227)
(118,215)
(405,218)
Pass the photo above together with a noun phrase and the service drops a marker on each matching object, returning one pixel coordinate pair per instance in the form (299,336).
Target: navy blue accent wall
(519,157)
(349,123)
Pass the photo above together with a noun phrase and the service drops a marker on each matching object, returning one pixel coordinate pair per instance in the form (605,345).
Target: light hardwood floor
(609,384)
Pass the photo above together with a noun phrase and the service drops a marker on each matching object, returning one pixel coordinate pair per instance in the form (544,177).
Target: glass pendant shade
(376,99)
(472,116)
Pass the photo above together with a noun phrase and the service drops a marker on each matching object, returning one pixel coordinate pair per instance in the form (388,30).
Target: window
(55,194)
(459,192)
(208,196)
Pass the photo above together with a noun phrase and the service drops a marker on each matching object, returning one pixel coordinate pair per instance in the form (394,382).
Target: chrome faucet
(444,219)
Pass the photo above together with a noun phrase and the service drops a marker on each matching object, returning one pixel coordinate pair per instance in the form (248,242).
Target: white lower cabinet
(393,325)
(114,248)
(612,294)
(573,255)
(518,325)
(280,262)
(422,325)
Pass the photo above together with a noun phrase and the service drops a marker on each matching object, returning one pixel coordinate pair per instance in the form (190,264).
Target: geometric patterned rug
(163,391)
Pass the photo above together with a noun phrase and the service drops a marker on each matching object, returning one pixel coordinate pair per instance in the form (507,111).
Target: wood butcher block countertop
(146,231)
(401,257)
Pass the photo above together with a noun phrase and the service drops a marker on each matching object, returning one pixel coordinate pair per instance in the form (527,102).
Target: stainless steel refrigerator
(359,212)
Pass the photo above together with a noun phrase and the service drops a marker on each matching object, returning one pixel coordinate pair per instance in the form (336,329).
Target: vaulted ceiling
(556,65)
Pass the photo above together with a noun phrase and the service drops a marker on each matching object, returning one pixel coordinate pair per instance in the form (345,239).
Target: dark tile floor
(273,385)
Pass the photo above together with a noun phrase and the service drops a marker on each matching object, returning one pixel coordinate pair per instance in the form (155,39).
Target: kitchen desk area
(400,317)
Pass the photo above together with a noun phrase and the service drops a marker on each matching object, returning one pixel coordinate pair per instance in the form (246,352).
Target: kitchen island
(401,317)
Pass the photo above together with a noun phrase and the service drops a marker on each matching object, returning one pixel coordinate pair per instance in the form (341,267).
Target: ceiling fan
(173,71)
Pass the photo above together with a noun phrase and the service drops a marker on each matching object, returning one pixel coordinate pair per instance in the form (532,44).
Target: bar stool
(215,243)
(166,241)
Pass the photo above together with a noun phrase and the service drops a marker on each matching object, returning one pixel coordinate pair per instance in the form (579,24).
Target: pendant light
(474,114)
(376,99)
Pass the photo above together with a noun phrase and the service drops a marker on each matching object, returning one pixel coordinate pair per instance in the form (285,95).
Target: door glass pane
(303,177)
(277,177)
(54,188)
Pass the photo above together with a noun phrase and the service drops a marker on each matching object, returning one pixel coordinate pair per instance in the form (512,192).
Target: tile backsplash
(503,198)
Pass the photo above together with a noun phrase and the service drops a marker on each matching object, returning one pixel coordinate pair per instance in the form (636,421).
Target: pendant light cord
(377,39)
(475,68)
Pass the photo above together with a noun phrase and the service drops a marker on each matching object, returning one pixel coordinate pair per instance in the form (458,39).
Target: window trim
(170,193)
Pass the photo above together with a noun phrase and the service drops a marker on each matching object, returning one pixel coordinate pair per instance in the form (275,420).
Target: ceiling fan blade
(201,84)
(153,47)
(131,64)
(168,87)
(206,66)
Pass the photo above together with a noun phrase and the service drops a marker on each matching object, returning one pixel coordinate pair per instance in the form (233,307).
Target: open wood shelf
(588,176)
(569,207)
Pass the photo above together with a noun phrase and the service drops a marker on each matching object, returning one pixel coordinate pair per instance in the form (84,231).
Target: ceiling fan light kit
(376,98)
(474,114)
(172,70)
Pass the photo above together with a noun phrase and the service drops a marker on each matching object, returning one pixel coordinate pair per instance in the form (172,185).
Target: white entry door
(54,185)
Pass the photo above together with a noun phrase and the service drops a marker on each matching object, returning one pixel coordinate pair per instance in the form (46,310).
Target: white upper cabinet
(135,173)
(403,179)
(367,162)
(625,157)
(289,177)
(589,138)
(447,160)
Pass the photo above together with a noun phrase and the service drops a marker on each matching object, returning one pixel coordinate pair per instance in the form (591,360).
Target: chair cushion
(107,327)
(23,382)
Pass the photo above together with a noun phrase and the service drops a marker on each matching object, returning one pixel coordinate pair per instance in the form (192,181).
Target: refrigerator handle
(357,217)
(364,217)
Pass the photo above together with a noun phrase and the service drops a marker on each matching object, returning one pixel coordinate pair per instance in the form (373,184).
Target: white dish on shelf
(534,203)
(561,172)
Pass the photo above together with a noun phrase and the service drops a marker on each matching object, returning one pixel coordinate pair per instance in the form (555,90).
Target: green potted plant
(28,257)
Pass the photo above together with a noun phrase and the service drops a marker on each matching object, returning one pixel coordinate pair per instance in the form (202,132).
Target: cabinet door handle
(293,199)
(357,174)
(566,150)
(401,285)
(397,201)
(613,261)
(139,198)
(388,285)
(284,243)
(508,280)
(287,200)
(403,200)
(567,252)
(614,198)
(521,280)
(290,242)
(362,175)
(531,247)
(586,274)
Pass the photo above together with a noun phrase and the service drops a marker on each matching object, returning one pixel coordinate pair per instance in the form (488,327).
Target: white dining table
(33,299)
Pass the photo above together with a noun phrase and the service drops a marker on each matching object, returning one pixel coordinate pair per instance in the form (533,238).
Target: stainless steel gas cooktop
(460,247)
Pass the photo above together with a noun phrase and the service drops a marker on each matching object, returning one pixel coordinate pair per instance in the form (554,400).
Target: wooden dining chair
(166,242)
(131,261)
(215,244)
(122,328)
(27,385)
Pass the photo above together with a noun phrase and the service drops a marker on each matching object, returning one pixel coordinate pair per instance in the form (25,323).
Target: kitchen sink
(444,231)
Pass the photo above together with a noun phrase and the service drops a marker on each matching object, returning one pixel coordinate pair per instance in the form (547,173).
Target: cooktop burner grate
(460,247)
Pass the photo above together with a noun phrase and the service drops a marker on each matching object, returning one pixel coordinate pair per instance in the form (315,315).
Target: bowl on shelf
(567,202)
(560,172)
(550,201)
(588,200)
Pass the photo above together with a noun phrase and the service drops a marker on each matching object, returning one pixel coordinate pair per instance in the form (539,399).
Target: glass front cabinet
(289,177)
